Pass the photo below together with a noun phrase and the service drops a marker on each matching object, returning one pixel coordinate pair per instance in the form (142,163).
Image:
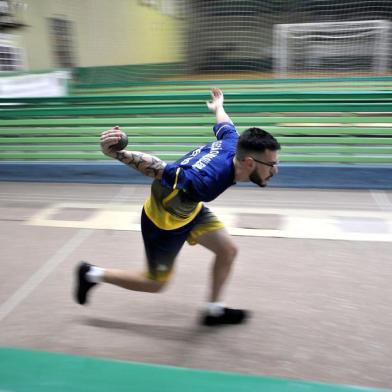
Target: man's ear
(248,163)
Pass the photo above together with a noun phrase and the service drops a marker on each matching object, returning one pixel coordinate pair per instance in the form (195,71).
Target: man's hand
(110,138)
(144,163)
(216,106)
(217,100)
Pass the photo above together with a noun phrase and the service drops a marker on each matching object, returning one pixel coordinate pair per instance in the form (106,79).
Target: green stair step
(201,131)
(199,120)
(197,108)
(374,150)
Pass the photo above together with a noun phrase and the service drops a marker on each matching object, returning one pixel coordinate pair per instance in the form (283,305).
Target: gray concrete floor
(321,308)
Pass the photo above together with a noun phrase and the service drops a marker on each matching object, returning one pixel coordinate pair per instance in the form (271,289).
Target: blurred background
(316,72)
(157,39)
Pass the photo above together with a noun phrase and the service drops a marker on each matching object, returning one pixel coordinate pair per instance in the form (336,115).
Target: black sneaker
(229,316)
(82,284)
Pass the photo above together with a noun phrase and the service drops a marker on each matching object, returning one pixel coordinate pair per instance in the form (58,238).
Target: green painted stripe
(83,131)
(330,130)
(240,83)
(334,140)
(230,97)
(200,131)
(373,151)
(335,159)
(39,140)
(70,156)
(33,371)
(195,120)
(87,139)
(95,155)
(300,87)
(308,88)
(94,147)
(216,82)
(79,147)
(48,139)
(198,108)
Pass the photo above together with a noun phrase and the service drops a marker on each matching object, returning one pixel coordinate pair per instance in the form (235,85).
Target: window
(10,58)
(62,42)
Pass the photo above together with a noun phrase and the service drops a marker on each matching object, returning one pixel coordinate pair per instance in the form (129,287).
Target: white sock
(215,308)
(95,274)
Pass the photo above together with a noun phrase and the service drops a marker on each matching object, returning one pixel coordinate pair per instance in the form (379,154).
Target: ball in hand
(121,144)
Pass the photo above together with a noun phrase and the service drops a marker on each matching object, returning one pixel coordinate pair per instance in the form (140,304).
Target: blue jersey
(203,174)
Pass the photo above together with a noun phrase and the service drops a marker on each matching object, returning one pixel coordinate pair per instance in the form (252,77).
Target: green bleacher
(167,120)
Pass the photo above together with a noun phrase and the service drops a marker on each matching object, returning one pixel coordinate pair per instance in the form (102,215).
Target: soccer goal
(329,48)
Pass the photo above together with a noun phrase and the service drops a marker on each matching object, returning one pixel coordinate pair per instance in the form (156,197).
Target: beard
(256,179)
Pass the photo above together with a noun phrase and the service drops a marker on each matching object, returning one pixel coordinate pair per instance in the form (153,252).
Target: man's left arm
(216,106)
(224,127)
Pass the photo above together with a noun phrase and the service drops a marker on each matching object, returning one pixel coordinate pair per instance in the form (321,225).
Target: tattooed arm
(146,164)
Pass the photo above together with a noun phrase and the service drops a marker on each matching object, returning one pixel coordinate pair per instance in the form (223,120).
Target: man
(174,213)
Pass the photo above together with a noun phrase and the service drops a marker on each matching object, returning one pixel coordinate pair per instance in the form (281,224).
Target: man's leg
(225,250)
(220,242)
(88,276)
(132,280)
(161,247)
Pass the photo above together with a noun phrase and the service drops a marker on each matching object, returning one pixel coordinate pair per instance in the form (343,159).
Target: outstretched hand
(108,139)
(217,100)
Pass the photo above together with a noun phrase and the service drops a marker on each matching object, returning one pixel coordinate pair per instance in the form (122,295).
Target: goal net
(189,39)
(353,47)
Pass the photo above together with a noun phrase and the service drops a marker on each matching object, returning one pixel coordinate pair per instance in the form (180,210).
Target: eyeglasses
(272,165)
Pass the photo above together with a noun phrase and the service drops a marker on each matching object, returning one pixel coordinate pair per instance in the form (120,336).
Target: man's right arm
(216,106)
(146,164)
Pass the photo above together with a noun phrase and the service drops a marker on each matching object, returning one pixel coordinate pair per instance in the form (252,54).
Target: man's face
(264,167)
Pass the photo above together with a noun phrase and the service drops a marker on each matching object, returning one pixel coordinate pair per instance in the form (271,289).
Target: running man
(175,213)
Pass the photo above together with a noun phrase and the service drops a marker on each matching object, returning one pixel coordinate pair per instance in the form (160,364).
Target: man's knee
(233,251)
(158,282)
(157,286)
(228,252)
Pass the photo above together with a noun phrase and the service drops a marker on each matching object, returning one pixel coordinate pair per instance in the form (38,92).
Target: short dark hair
(255,140)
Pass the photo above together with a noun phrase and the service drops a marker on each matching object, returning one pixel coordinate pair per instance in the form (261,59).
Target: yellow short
(206,223)
(162,246)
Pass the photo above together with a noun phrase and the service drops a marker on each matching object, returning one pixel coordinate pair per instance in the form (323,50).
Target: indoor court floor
(314,268)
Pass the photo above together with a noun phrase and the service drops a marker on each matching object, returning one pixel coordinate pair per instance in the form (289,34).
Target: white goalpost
(331,47)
